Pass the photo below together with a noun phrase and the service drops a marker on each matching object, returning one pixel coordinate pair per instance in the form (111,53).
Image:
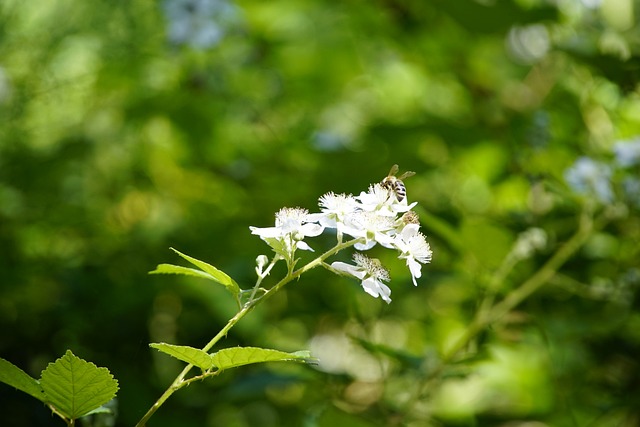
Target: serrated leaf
(215,274)
(191,355)
(16,377)
(76,387)
(239,356)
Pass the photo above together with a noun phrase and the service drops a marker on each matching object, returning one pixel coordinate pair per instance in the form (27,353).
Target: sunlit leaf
(176,269)
(76,387)
(278,246)
(214,274)
(16,377)
(191,355)
(239,356)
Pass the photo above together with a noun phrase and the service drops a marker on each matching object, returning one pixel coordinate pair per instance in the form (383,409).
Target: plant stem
(535,282)
(261,277)
(180,382)
(490,314)
(67,421)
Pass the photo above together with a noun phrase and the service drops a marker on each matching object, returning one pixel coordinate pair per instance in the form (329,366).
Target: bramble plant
(373,217)
(382,215)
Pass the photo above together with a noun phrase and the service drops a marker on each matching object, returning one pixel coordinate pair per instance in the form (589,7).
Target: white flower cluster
(374,217)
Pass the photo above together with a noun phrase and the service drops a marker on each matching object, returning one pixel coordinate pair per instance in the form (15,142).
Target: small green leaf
(76,387)
(215,274)
(191,355)
(278,247)
(176,269)
(16,377)
(239,356)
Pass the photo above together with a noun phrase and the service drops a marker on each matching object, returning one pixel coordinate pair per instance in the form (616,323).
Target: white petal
(349,230)
(365,246)
(316,217)
(409,230)
(415,268)
(385,240)
(328,221)
(303,245)
(349,269)
(376,288)
(290,225)
(312,230)
(267,231)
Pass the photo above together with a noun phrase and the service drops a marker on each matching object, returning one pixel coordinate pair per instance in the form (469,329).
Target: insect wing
(406,175)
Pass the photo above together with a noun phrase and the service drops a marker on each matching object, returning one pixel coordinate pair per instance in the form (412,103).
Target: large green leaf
(191,355)
(229,357)
(207,271)
(16,377)
(76,387)
(239,356)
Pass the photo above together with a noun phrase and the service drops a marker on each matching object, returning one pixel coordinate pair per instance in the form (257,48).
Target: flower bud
(261,261)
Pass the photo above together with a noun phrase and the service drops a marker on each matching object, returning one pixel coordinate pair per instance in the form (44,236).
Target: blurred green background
(128,127)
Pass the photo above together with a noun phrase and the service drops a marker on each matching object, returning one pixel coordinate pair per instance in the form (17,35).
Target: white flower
(380,200)
(371,226)
(292,226)
(414,249)
(371,272)
(335,208)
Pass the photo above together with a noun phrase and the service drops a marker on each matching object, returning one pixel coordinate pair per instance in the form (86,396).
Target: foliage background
(120,139)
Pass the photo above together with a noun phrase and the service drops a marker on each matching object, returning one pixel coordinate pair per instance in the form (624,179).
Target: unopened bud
(261,261)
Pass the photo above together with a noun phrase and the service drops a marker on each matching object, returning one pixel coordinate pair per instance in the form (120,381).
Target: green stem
(261,277)
(180,382)
(313,264)
(494,284)
(531,285)
(489,315)
(67,421)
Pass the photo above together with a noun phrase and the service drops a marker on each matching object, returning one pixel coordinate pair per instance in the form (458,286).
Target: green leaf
(176,269)
(212,273)
(278,247)
(76,387)
(191,355)
(16,377)
(239,356)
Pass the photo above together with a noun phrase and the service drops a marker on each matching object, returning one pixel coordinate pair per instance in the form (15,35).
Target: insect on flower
(394,184)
